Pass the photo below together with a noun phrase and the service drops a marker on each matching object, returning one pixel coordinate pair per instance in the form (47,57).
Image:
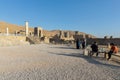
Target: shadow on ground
(92,60)
(64,47)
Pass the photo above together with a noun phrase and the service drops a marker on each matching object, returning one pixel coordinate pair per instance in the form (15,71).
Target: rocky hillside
(54,32)
(13,28)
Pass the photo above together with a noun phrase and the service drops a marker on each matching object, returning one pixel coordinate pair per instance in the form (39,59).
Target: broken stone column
(26,28)
(16,32)
(61,34)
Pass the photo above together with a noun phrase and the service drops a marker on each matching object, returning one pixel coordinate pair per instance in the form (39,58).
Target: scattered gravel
(53,62)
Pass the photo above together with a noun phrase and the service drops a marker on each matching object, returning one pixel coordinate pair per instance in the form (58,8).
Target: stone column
(61,34)
(68,35)
(7,31)
(41,32)
(16,32)
(26,28)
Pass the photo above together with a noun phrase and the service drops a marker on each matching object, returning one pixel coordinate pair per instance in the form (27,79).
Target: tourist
(113,49)
(77,44)
(83,44)
(94,48)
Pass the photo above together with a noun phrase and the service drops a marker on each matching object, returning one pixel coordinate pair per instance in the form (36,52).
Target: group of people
(113,49)
(94,48)
(79,44)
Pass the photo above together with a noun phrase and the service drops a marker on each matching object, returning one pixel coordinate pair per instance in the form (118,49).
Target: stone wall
(102,41)
(13,40)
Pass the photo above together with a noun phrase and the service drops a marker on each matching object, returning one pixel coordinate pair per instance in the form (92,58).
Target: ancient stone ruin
(37,35)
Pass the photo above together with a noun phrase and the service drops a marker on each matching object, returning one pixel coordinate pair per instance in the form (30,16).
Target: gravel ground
(54,62)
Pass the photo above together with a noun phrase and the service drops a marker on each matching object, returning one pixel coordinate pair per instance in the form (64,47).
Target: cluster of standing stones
(37,31)
(65,36)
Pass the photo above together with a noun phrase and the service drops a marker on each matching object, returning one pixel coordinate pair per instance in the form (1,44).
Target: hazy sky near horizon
(97,17)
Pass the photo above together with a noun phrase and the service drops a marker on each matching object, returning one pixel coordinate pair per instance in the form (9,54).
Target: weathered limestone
(46,40)
(13,40)
(38,31)
(7,31)
(76,32)
(61,34)
(66,34)
(26,28)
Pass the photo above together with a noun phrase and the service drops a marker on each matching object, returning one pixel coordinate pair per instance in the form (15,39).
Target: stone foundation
(13,40)
(102,41)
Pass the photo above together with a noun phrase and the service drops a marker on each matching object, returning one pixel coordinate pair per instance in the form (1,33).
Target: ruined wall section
(13,40)
(103,41)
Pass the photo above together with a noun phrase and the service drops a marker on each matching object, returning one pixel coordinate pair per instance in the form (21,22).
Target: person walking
(83,44)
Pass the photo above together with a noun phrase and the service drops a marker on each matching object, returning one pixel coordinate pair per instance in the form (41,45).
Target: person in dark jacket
(83,44)
(77,44)
(94,48)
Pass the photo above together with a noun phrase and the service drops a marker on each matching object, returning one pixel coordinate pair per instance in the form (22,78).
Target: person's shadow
(92,60)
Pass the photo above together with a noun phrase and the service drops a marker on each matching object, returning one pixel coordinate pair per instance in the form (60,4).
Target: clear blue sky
(97,17)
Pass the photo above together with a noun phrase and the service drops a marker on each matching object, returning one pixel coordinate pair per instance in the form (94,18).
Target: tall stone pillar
(7,31)
(61,34)
(16,32)
(26,28)
(41,32)
(68,35)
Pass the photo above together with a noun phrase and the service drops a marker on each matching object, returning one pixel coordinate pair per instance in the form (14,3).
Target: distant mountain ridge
(12,28)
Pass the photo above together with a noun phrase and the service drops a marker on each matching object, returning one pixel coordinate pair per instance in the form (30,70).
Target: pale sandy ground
(53,62)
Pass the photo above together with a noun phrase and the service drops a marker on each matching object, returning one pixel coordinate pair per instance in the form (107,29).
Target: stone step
(34,40)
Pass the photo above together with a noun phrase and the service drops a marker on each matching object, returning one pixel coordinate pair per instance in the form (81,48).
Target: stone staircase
(33,40)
